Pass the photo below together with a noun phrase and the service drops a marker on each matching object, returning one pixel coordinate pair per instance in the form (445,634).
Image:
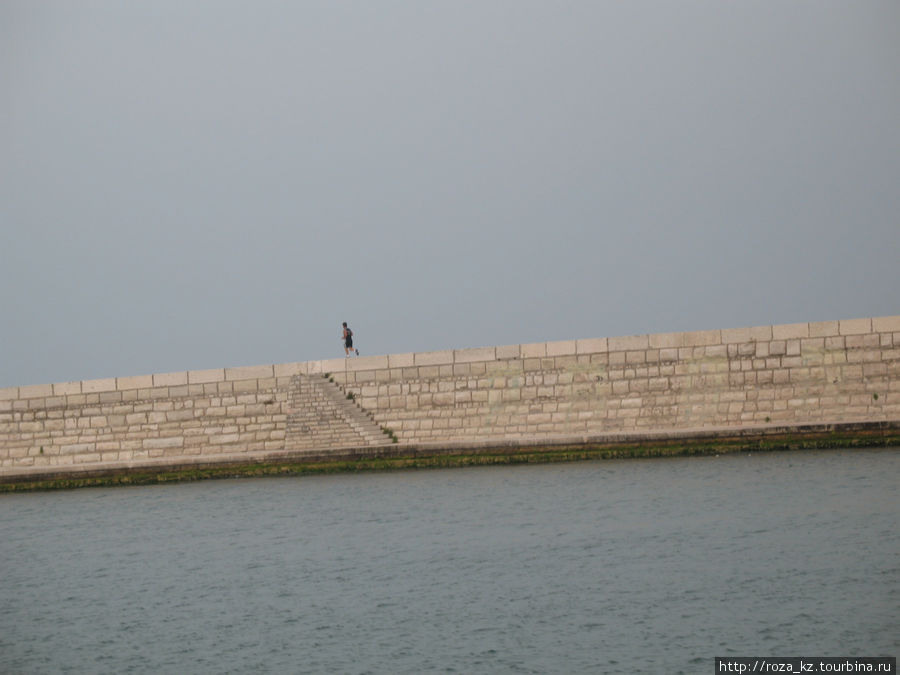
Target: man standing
(348,341)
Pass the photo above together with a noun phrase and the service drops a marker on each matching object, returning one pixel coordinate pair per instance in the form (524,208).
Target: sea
(615,566)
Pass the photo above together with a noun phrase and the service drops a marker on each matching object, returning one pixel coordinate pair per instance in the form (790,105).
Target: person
(348,341)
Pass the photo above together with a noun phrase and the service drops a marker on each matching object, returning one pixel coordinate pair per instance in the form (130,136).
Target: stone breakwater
(728,382)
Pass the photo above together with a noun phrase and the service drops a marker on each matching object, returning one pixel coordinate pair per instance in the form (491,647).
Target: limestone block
(288,369)
(630,343)
(434,358)
(213,375)
(11,393)
(35,391)
(96,386)
(790,331)
(243,386)
(886,324)
(133,382)
(358,363)
(249,372)
(812,344)
(855,326)
(509,352)
(561,348)
(401,360)
(76,448)
(749,334)
(162,443)
(169,379)
(65,388)
(702,338)
(823,329)
(533,350)
(635,357)
(474,354)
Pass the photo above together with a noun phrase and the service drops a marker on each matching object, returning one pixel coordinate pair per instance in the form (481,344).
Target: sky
(191,184)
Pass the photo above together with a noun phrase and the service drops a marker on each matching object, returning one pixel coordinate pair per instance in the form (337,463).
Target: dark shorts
(348,342)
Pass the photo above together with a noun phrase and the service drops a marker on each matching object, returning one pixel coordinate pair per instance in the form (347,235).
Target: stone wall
(825,372)
(788,374)
(143,419)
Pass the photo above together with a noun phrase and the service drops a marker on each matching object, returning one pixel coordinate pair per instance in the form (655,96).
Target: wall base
(658,443)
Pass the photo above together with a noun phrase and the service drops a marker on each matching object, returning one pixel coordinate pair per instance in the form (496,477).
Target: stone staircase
(321,417)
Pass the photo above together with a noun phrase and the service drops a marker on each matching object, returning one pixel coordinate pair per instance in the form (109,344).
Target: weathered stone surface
(133,382)
(591,346)
(97,386)
(561,348)
(629,343)
(855,326)
(206,376)
(36,391)
(511,351)
(434,358)
(249,372)
(533,350)
(702,337)
(474,354)
(886,324)
(162,443)
(749,334)
(791,330)
(66,388)
(401,360)
(824,329)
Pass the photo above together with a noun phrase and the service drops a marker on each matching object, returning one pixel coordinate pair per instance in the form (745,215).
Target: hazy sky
(198,184)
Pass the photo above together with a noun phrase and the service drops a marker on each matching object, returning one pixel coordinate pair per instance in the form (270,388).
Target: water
(597,567)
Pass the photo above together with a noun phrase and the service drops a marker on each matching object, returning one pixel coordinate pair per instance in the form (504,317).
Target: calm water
(602,567)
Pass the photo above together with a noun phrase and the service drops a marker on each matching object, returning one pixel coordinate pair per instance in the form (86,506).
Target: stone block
(790,331)
(561,348)
(824,329)
(533,350)
(36,391)
(629,343)
(134,382)
(249,372)
(66,388)
(329,366)
(702,338)
(161,443)
(886,324)
(359,363)
(10,393)
(206,376)
(170,379)
(434,358)
(474,354)
(748,334)
(97,386)
(591,346)
(509,352)
(244,386)
(289,369)
(401,360)
(76,448)
(855,326)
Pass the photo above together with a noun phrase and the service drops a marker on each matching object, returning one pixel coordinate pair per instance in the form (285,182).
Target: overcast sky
(188,185)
